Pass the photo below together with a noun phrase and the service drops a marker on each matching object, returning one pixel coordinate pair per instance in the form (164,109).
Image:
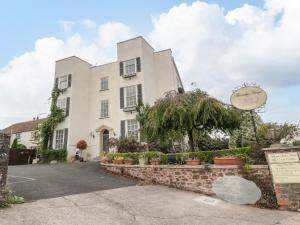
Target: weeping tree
(187,114)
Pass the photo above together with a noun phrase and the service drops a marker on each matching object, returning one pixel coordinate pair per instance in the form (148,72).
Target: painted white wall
(158,75)
(25,139)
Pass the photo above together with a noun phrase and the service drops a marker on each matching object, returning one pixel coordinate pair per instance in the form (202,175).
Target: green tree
(244,135)
(185,114)
(14,145)
(270,133)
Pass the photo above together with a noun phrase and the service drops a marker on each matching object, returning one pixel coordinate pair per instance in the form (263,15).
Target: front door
(105,141)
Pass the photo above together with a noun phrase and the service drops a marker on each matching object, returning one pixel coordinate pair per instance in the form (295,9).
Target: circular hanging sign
(248,98)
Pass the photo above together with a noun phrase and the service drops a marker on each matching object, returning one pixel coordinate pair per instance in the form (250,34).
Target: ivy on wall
(46,129)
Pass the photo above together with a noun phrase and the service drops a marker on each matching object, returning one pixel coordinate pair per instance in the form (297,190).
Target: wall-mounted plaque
(285,172)
(283,157)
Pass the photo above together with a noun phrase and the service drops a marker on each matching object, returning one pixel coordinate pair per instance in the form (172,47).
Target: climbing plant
(45,130)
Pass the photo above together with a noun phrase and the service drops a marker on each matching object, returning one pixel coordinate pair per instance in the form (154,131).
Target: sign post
(249,98)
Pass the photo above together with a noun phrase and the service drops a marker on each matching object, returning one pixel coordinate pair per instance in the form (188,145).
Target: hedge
(48,155)
(204,156)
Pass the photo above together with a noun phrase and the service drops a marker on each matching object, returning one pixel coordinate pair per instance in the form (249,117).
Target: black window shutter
(56,82)
(122,128)
(68,106)
(66,138)
(121,69)
(69,80)
(51,140)
(140,95)
(121,98)
(138,64)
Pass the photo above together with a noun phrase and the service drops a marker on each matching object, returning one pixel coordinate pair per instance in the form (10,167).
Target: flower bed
(204,156)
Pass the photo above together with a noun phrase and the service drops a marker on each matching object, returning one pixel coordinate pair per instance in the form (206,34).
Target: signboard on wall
(285,167)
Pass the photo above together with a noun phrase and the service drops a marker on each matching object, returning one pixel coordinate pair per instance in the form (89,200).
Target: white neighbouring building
(99,101)
(24,132)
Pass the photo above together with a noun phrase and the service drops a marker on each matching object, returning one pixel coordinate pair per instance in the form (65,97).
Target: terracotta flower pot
(227,161)
(128,161)
(155,162)
(118,161)
(192,162)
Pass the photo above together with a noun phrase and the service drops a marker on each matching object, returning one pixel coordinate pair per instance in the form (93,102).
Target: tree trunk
(191,140)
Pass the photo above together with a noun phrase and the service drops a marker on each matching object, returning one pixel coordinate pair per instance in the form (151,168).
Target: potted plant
(192,162)
(128,161)
(227,160)
(143,160)
(82,145)
(155,161)
(118,160)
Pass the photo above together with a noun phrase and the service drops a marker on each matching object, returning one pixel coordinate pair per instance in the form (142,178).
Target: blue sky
(217,44)
(23,22)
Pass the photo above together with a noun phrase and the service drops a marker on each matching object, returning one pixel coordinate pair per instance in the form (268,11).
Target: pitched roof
(22,127)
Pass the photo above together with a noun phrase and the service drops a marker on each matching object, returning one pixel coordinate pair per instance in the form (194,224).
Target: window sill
(104,89)
(63,90)
(129,75)
(129,109)
(101,118)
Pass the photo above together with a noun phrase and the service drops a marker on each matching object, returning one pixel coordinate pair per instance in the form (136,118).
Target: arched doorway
(105,140)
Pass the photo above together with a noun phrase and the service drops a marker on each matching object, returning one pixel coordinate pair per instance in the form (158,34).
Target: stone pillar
(4,148)
(284,163)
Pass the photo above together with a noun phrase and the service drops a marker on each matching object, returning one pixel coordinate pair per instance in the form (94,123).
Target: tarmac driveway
(35,182)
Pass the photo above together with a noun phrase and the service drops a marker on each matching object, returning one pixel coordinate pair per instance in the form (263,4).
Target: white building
(99,101)
(24,132)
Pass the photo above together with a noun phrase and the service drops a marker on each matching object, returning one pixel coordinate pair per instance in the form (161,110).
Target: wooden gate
(21,156)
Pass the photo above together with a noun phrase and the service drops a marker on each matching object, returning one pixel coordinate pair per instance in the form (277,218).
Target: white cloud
(218,50)
(222,50)
(66,26)
(26,81)
(89,24)
(110,33)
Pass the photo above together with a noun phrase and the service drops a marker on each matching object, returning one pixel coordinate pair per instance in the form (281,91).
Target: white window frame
(59,138)
(63,82)
(129,69)
(130,99)
(32,135)
(62,104)
(18,136)
(104,84)
(132,128)
(104,109)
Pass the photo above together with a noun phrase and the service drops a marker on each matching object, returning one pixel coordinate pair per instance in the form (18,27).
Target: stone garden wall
(191,178)
(4,147)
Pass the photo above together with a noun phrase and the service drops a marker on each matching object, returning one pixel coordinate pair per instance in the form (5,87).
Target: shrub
(296,143)
(128,155)
(127,144)
(48,155)
(14,145)
(204,156)
(81,145)
(10,198)
(153,154)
